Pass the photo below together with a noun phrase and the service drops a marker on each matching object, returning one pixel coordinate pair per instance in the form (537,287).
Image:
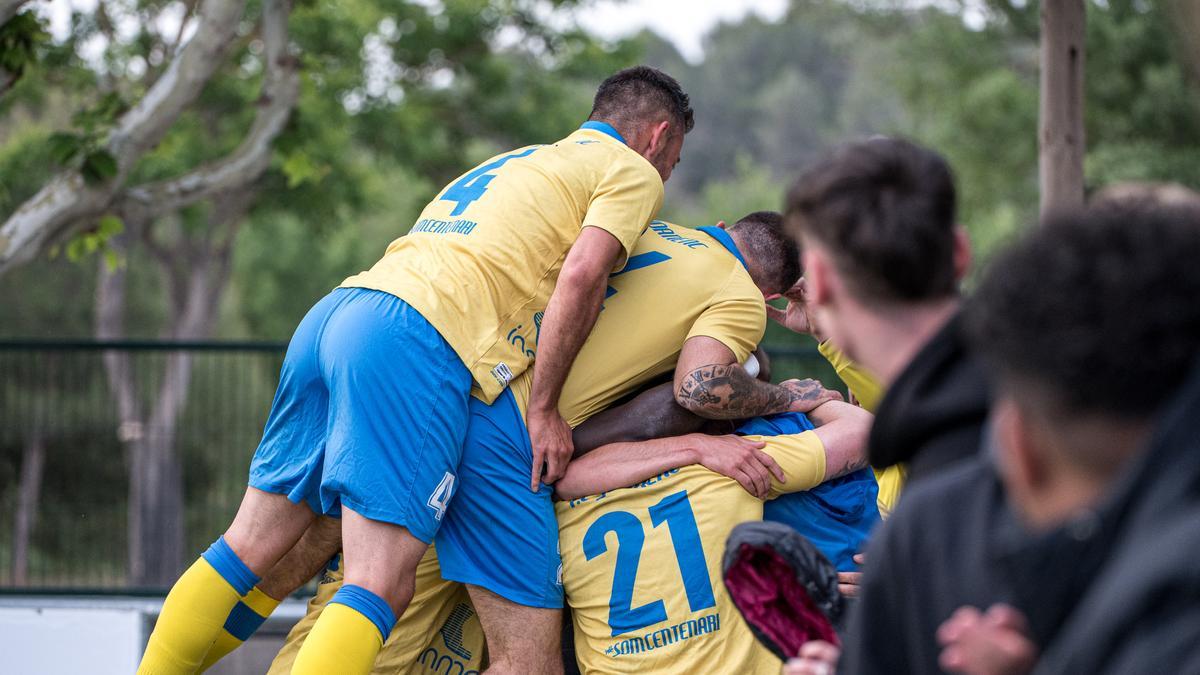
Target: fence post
(1060,115)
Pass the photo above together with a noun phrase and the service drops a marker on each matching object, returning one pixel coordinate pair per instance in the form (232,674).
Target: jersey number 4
(472,186)
(439,499)
(676,511)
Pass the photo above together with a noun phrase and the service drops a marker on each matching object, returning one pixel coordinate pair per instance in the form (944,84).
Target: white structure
(66,635)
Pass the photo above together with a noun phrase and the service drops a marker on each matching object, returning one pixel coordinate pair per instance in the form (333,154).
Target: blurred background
(141,333)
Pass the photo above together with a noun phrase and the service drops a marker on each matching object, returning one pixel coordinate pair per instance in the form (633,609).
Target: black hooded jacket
(933,414)
(1141,611)
(1114,590)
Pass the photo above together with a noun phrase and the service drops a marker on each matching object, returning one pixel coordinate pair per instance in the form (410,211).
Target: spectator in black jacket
(1090,327)
(883,256)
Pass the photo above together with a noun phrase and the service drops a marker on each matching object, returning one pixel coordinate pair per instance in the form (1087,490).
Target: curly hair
(1098,307)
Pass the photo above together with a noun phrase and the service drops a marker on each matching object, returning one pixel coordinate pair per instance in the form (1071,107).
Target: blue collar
(604,128)
(725,240)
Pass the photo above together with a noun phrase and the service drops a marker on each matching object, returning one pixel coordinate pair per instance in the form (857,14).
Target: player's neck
(887,340)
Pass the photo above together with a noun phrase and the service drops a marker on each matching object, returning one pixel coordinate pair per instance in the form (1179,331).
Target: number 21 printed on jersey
(676,511)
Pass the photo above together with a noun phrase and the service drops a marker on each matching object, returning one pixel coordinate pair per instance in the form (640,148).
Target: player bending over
(371,410)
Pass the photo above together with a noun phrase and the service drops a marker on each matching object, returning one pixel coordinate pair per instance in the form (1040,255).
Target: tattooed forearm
(849,467)
(728,392)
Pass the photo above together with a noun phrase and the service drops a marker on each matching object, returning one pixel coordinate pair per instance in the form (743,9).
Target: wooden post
(1060,127)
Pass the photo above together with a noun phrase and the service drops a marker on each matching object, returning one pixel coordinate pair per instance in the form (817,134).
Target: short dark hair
(885,208)
(638,93)
(776,253)
(1098,309)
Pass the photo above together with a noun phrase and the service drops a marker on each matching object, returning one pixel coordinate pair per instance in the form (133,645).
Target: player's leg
(502,540)
(398,407)
(520,639)
(381,562)
(271,518)
(439,631)
(321,542)
(198,605)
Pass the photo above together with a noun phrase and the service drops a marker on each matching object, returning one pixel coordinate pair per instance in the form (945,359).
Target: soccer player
(371,410)
(689,301)
(642,564)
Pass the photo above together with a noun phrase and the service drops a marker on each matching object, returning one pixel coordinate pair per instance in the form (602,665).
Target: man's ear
(659,135)
(818,281)
(1022,465)
(962,252)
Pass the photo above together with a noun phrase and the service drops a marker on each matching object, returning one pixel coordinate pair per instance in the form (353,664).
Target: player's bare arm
(570,316)
(710,383)
(653,413)
(843,429)
(623,464)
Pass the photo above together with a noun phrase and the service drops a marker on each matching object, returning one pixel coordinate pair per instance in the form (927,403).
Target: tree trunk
(196,271)
(1061,110)
(33,461)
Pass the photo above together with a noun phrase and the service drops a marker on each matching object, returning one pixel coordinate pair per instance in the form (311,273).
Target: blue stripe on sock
(369,605)
(230,566)
(243,621)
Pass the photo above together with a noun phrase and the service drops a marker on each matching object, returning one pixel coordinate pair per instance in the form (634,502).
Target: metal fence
(119,461)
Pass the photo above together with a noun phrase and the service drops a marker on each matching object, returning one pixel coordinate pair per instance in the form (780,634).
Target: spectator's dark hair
(885,210)
(773,249)
(1098,309)
(640,94)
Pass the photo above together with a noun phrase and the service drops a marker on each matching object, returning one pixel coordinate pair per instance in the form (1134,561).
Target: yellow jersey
(642,568)
(483,258)
(869,393)
(679,283)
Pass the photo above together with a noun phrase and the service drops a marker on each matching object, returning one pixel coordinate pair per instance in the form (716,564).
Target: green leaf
(63,147)
(299,169)
(109,226)
(75,249)
(112,260)
(99,167)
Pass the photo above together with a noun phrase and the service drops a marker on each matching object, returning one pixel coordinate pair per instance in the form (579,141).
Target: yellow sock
(343,641)
(193,613)
(243,620)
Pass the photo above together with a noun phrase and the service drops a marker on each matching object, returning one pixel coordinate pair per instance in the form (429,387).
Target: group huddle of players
(408,412)
(542,397)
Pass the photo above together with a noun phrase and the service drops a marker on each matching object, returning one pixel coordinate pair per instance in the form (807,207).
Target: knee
(396,590)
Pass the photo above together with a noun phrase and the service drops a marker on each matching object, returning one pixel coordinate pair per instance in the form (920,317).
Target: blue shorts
(370,412)
(500,535)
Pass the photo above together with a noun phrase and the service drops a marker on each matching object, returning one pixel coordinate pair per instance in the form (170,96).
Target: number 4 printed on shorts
(440,499)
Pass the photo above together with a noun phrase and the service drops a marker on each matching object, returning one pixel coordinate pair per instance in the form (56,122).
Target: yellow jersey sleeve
(627,198)
(891,483)
(736,316)
(802,458)
(862,384)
